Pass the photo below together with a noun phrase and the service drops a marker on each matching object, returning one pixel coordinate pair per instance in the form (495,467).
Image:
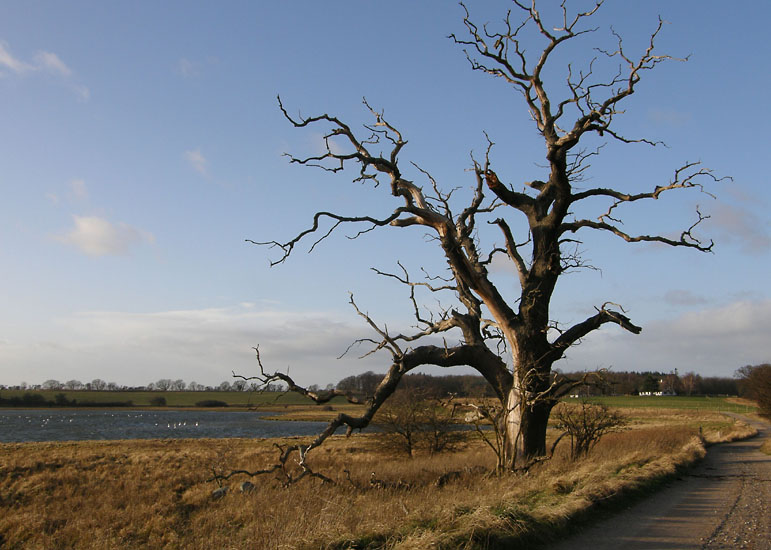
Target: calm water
(67,425)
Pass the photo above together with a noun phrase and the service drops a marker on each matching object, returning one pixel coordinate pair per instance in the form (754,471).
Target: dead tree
(487,325)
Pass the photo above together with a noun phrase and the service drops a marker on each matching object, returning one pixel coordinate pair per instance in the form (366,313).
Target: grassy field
(155,494)
(724,404)
(175,398)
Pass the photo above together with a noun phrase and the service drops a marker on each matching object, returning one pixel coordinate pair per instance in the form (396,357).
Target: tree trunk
(512,419)
(535,419)
(524,429)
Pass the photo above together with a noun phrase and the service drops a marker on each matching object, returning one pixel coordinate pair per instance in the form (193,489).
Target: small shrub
(411,422)
(585,424)
(158,401)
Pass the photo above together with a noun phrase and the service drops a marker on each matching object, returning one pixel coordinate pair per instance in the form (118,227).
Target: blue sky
(142,144)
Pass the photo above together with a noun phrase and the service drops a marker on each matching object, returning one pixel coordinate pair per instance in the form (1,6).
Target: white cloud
(199,163)
(50,62)
(186,68)
(10,62)
(99,237)
(43,62)
(713,341)
(205,345)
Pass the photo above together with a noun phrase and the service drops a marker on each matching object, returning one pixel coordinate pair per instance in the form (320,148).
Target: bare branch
(578,331)
(687,239)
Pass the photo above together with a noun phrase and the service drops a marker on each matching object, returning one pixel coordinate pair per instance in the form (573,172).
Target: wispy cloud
(96,236)
(43,62)
(78,188)
(739,224)
(187,68)
(51,63)
(198,162)
(8,61)
(682,297)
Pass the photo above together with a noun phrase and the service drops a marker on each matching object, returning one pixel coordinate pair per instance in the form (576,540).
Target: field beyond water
(173,398)
(155,493)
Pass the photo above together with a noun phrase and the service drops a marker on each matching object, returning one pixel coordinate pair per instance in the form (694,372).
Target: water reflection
(67,425)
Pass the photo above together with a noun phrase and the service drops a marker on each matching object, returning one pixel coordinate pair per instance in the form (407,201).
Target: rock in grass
(246,487)
(217,494)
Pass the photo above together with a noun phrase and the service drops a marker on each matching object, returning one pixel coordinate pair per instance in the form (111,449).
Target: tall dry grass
(153,494)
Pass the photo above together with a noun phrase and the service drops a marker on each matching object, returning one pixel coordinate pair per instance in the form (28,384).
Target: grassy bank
(154,494)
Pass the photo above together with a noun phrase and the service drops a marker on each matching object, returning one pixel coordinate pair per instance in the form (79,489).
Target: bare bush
(412,422)
(585,424)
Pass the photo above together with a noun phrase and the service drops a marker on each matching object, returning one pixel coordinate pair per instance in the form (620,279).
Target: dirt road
(724,502)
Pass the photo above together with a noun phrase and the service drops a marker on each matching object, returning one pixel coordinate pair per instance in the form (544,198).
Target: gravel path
(724,502)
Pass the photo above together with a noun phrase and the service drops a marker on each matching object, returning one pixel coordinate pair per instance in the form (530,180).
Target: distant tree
(224,386)
(52,385)
(755,383)
(73,384)
(112,386)
(239,385)
(178,385)
(98,384)
(690,382)
(671,382)
(164,384)
(650,383)
(718,385)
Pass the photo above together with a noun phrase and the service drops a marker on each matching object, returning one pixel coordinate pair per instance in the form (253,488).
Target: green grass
(173,399)
(667,402)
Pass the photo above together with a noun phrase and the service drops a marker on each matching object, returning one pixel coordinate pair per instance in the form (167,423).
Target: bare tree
(539,222)
(756,384)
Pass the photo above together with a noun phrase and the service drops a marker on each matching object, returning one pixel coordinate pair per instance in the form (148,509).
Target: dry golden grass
(153,494)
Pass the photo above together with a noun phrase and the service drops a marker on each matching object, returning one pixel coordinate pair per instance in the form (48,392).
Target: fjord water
(77,425)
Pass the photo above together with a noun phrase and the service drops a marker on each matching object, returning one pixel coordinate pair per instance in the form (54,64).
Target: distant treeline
(37,400)
(464,385)
(162,385)
(607,383)
(633,383)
